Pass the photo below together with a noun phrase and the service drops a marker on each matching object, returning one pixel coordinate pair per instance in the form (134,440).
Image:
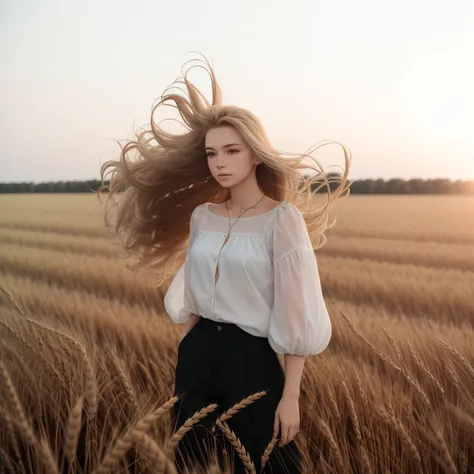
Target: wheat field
(87,354)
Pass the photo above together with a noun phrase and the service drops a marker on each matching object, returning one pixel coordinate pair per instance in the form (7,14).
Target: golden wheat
(268,450)
(119,449)
(187,426)
(73,429)
(76,325)
(238,446)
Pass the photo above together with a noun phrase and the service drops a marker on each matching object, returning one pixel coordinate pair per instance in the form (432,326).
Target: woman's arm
(293,371)
(287,416)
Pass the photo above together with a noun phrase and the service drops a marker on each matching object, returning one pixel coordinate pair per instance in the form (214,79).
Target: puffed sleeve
(179,302)
(299,322)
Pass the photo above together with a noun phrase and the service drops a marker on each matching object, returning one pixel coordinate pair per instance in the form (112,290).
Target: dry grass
(87,356)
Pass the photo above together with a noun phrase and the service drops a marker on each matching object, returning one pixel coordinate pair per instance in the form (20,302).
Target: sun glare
(439,93)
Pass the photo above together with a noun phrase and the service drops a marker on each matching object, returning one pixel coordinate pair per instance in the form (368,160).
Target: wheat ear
(239,406)
(238,446)
(118,451)
(151,448)
(12,300)
(333,403)
(73,429)
(352,411)
(333,444)
(90,382)
(424,369)
(390,362)
(459,356)
(392,343)
(6,461)
(51,369)
(268,450)
(19,417)
(188,424)
(47,457)
(398,427)
(446,457)
(11,433)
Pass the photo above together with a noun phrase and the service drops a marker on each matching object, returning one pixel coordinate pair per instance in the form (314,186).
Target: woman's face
(229,158)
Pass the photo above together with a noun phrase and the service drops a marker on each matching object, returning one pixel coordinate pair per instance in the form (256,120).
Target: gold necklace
(245,210)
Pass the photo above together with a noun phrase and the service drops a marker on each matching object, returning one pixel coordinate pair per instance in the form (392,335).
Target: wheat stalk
(352,411)
(268,450)
(332,443)
(364,459)
(446,457)
(324,466)
(12,299)
(126,383)
(459,356)
(454,378)
(147,373)
(151,448)
(238,406)
(238,446)
(392,343)
(11,432)
(332,402)
(360,389)
(118,451)
(47,457)
(463,461)
(398,427)
(90,383)
(73,429)
(19,417)
(188,424)
(390,362)
(7,461)
(424,369)
(51,369)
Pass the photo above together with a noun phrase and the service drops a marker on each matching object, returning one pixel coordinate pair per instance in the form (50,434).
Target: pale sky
(394,81)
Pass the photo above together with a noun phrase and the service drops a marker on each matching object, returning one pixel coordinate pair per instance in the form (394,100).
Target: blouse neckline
(244,218)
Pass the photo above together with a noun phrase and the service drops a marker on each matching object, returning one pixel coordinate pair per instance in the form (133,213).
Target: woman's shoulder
(199,210)
(287,210)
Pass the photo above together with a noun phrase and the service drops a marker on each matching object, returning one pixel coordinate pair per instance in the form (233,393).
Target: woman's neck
(244,195)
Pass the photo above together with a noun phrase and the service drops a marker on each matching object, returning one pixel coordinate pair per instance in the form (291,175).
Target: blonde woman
(238,223)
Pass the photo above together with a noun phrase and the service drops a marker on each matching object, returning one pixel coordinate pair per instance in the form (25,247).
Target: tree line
(358,186)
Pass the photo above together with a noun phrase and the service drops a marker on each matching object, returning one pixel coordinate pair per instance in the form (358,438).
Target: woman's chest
(239,251)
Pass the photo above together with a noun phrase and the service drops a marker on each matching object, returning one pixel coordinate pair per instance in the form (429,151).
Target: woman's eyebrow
(225,146)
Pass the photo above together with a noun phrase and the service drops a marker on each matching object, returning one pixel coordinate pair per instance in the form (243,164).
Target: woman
(248,286)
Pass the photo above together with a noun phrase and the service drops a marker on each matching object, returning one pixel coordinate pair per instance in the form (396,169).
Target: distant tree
(361,186)
(396,186)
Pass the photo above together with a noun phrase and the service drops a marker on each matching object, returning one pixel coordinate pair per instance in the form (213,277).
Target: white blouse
(268,282)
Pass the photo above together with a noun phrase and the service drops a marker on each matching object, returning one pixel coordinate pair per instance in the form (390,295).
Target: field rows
(428,254)
(439,293)
(98,275)
(392,393)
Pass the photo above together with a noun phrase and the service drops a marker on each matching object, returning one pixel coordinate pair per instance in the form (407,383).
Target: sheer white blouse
(268,281)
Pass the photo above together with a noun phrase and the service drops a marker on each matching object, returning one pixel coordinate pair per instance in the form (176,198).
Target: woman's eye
(233,151)
(209,154)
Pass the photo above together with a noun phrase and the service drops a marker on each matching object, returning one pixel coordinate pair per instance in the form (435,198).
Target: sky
(393,81)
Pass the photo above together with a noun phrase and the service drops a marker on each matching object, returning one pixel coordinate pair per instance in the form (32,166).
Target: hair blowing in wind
(160,177)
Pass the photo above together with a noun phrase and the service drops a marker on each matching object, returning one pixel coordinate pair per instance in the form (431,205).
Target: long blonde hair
(153,197)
